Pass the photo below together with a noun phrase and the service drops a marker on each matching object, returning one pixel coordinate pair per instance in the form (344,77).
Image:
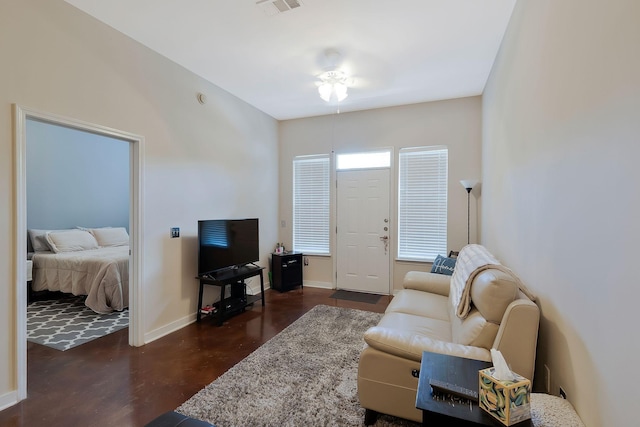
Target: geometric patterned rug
(66,323)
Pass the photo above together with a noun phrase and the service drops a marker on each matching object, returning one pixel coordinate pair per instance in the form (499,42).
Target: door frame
(136,209)
(392,210)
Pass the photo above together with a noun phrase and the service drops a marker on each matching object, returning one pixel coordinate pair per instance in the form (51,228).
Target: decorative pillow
(70,240)
(443,265)
(38,240)
(111,236)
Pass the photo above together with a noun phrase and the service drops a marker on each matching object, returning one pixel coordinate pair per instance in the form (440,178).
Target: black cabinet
(286,271)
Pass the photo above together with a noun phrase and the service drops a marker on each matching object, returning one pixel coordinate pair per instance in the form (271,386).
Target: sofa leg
(370,417)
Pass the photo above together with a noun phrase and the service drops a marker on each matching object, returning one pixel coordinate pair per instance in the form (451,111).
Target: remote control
(456,390)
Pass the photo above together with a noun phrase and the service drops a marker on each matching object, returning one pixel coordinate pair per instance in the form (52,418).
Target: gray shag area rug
(305,375)
(66,323)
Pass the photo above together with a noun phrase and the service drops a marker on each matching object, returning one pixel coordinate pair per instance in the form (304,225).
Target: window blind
(311,175)
(422,203)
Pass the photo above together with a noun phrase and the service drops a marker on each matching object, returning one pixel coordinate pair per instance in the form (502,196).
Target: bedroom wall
(454,123)
(200,161)
(75,178)
(561,143)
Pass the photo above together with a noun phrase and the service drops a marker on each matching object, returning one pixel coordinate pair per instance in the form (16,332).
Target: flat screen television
(227,243)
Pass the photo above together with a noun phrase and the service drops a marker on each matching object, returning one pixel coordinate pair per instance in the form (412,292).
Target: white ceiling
(397,52)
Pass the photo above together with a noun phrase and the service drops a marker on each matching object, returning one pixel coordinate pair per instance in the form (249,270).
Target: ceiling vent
(273,7)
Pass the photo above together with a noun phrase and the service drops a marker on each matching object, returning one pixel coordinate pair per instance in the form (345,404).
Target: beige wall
(454,123)
(201,161)
(561,146)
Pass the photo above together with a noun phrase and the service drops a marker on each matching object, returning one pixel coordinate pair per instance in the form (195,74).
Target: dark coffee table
(452,413)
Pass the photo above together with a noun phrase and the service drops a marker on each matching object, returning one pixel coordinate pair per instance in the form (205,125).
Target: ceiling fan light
(332,86)
(325,91)
(341,91)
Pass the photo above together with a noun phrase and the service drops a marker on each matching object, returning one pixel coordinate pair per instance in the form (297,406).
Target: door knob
(385,239)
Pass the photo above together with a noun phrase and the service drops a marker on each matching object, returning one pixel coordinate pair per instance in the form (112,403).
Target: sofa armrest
(427,282)
(517,337)
(408,345)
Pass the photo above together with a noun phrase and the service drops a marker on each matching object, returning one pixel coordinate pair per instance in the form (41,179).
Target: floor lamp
(468,184)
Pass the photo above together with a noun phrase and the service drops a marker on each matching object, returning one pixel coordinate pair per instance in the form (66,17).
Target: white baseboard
(251,291)
(184,321)
(323,285)
(181,323)
(8,399)
(307,284)
(167,329)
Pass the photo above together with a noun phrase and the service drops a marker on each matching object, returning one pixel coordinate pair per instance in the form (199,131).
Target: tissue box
(507,401)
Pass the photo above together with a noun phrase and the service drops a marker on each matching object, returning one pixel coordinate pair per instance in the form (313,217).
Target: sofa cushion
(474,330)
(427,282)
(410,346)
(417,325)
(491,292)
(420,303)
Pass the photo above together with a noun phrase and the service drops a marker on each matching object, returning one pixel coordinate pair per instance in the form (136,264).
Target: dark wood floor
(108,383)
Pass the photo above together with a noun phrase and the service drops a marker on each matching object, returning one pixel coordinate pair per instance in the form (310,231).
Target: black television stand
(238,300)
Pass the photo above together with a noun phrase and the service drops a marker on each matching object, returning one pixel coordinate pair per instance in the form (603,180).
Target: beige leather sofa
(421,318)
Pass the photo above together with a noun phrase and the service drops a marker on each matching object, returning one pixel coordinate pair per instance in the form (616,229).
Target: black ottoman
(174,419)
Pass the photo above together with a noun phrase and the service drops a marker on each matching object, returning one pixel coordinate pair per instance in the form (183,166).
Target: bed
(91,262)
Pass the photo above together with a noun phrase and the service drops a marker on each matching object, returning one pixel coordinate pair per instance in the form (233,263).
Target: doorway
(21,115)
(363,231)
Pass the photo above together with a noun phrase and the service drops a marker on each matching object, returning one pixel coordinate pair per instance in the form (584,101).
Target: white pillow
(108,236)
(38,240)
(70,240)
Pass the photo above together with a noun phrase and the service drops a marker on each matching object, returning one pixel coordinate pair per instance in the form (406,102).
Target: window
(311,175)
(376,159)
(422,203)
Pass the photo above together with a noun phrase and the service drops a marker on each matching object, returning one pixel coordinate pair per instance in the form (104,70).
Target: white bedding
(100,274)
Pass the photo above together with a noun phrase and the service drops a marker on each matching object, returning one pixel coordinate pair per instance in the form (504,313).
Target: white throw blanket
(472,260)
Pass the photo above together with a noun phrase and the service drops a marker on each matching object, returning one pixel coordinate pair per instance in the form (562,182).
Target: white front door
(363,231)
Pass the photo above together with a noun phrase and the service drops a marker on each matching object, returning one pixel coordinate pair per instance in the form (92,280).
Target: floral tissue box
(507,401)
